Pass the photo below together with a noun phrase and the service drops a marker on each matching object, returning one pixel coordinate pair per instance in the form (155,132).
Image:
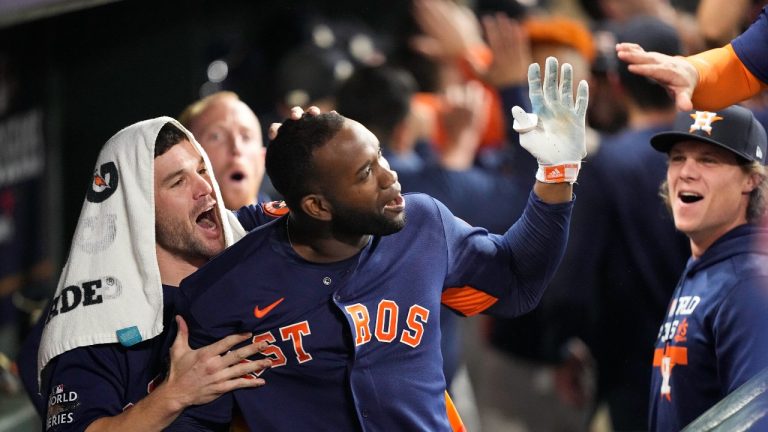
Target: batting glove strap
(560,173)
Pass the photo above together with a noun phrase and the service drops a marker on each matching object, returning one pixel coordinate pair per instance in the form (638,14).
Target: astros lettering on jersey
(355,344)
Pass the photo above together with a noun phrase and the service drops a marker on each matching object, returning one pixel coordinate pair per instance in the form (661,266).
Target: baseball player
(91,381)
(713,338)
(348,294)
(713,79)
(230,133)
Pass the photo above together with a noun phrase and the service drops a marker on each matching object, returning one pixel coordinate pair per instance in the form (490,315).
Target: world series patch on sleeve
(61,406)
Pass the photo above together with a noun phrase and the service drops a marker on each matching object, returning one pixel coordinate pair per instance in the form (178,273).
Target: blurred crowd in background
(435,81)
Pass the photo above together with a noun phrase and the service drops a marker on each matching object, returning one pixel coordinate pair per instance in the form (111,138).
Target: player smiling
(348,286)
(713,337)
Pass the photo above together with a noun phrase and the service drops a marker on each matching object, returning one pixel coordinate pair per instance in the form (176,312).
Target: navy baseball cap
(734,128)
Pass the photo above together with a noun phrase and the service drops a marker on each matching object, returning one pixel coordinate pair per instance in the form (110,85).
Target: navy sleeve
(88,383)
(254,216)
(83,385)
(752,46)
(516,267)
(740,333)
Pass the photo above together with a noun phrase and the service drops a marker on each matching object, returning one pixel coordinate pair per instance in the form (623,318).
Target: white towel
(110,290)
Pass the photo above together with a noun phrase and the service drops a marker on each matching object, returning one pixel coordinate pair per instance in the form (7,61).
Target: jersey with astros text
(355,344)
(713,338)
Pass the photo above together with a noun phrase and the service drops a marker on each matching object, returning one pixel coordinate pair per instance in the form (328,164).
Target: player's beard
(350,221)
(178,239)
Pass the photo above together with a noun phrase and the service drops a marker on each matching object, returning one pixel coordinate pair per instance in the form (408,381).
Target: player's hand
(465,118)
(676,74)
(450,30)
(555,133)
(202,375)
(296,113)
(511,51)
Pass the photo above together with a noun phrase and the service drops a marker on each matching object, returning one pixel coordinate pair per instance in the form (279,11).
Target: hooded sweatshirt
(714,336)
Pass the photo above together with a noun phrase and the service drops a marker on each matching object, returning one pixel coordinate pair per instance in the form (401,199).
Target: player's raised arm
(710,80)
(675,73)
(555,132)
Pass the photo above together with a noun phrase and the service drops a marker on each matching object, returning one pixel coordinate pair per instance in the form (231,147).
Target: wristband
(560,173)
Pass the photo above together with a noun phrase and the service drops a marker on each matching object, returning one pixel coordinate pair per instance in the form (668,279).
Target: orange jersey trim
(723,79)
(467,300)
(454,419)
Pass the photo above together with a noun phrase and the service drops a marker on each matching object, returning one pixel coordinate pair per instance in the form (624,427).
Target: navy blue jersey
(713,338)
(356,344)
(90,382)
(84,384)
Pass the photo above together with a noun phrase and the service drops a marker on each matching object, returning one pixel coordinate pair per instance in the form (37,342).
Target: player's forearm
(723,79)
(536,243)
(153,413)
(553,193)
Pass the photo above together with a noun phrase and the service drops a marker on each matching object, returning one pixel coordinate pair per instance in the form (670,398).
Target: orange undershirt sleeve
(723,79)
(467,300)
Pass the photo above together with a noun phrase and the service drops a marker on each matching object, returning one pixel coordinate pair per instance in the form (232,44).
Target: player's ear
(751,181)
(316,206)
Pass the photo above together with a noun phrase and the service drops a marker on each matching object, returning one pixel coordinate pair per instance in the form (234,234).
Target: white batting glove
(554,134)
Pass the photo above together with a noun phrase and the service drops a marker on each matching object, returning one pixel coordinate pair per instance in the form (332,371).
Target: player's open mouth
(396,205)
(237,176)
(689,197)
(207,219)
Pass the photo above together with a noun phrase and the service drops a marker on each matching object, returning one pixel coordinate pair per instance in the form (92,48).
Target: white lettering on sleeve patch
(61,407)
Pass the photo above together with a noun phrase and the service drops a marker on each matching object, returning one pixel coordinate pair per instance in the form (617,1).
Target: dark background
(97,69)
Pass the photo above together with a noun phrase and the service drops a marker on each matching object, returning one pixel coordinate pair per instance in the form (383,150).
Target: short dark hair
(289,156)
(169,136)
(653,35)
(378,97)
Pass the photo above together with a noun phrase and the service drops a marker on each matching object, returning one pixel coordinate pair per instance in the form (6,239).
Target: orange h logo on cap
(702,120)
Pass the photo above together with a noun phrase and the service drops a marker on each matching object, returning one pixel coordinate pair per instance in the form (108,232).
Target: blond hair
(193,110)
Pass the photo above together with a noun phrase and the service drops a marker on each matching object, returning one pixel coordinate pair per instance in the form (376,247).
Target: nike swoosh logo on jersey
(261,313)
